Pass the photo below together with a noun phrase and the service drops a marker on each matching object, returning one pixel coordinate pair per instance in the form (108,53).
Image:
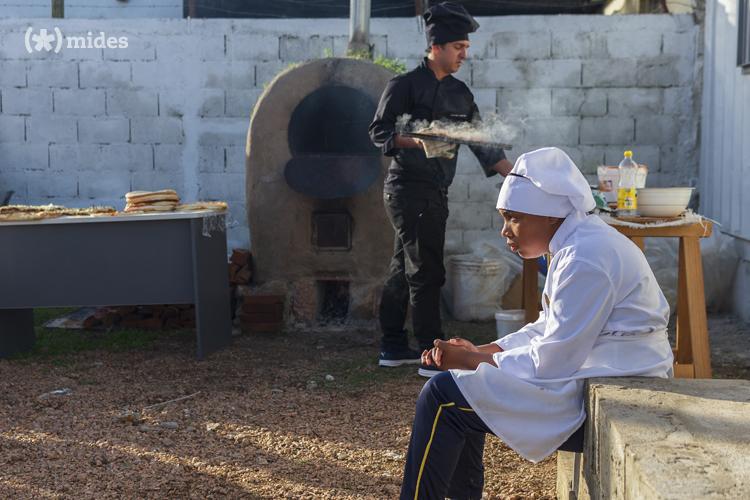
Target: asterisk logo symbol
(43,40)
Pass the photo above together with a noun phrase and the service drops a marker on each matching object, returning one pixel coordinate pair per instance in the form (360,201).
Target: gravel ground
(266,422)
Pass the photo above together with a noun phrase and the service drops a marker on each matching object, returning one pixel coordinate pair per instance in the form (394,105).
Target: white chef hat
(545,182)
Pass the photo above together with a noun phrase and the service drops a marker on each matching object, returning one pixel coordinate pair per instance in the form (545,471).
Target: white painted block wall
(725,154)
(85,126)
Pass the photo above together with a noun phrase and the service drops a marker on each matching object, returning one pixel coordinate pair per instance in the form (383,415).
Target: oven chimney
(359,27)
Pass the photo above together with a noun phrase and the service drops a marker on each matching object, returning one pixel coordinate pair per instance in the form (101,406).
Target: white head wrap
(546,182)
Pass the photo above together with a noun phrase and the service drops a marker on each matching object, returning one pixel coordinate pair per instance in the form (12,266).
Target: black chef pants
(416,271)
(446,446)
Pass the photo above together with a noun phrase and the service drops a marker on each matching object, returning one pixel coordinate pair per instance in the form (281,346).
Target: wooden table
(161,258)
(692,354)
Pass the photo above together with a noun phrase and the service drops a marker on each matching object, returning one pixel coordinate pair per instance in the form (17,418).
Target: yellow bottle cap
(628,154)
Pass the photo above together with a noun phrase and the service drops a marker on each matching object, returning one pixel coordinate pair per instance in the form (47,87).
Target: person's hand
(449,355)
(438,149)
(427,358)
(458,341)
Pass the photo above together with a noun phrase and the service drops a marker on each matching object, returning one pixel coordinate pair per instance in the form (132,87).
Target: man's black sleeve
(487,157)
(393,103)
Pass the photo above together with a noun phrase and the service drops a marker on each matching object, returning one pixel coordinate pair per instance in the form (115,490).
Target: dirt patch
(267,422)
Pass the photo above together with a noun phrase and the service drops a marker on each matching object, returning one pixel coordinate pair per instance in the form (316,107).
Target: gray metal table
(166,258)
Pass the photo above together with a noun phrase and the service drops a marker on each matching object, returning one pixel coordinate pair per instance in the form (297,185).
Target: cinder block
(57,129)
(140,48)
(595,131)
(454,241)
(235,159)
(265,72)
(22,156)
(592,157)
(190,102)
(579,102)
(16,182)
(494,73)
(470,215)
(90,102)
(211,102)
(552,131)
(473,237)
(114,185)
(153,181)
(12,128)
(522,44)
(406,44)
(61,74)
(467,163)
(165,74)
(130,103)
(241,102)
(12,73)
(635,101)
(609,73)
(109,74)
(102,157)
(224,131)
(168,157)
(459,189)
(665,71)
(679,101)
(191,47)
(225,186)
(12,46)
(656,129)
(27,101)
(211,159)
(103,130)
(162,130)
(296,48)
(486,100)
(51,184)
(680,44)
(555,73)
(579,45)
(252,47)
(236,75)
(484,189)
(636,44)
(525,102)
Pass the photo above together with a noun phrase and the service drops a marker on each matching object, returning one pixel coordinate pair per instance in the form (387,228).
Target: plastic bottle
(627,201)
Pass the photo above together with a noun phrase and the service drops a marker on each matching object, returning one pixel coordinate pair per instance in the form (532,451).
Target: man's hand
(438,149)
(458,353)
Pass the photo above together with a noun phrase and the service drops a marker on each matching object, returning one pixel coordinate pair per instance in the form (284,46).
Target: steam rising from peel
(492,128)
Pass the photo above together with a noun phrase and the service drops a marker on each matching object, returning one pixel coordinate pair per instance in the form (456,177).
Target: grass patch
(55,342)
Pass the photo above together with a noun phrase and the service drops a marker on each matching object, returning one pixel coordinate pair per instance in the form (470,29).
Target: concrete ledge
(653,438)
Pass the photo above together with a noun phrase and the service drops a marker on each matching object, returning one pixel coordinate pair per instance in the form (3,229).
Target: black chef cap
(448,22)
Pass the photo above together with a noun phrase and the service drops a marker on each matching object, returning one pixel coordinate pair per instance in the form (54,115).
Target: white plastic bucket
(509,321)
(475,285)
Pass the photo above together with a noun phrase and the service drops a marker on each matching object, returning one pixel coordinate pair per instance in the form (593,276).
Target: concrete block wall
(172,109)
(93,8)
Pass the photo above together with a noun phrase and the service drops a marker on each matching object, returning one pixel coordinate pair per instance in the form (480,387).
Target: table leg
(16,331)
(213,319)
(692,324)
(531,289)
(639,241)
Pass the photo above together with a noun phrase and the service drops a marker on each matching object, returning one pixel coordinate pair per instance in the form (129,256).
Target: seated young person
(603,315)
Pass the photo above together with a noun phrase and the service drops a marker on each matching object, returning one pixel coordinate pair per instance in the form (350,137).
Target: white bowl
(663,202)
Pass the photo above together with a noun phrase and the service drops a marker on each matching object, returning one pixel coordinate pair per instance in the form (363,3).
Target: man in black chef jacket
(416,187)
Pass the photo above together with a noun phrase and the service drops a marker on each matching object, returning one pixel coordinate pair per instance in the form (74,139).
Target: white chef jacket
(604,315)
